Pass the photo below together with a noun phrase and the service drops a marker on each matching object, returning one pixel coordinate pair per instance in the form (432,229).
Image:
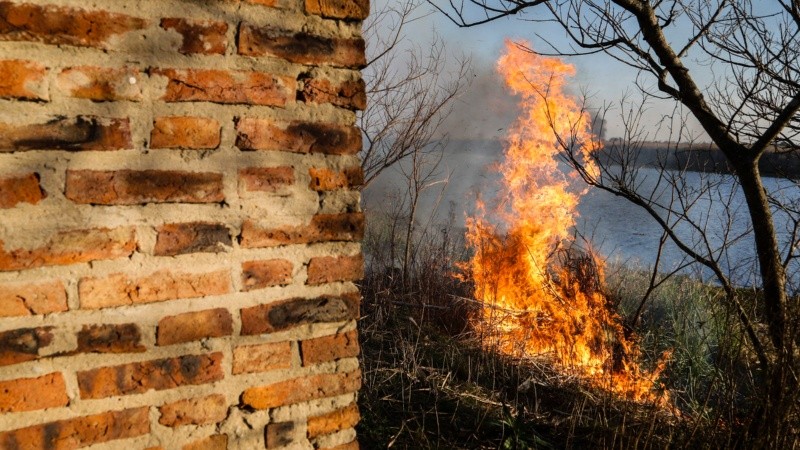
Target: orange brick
(62,25)
(297,137)
(194,326)
(185,132)
(332,422)
(207,37)
(262,357)
(300,47)
(215,442)
(220,86)
(194,411)
(348,94)
(20,189)
(101,83)
(191,237)
(77,133)
(339,9)
(112,338)
(266,273)
(286,314)
(329,348)
(322,228)
(120,289)
(71,247)
(302,389)
(266,179)
(135,378)
(80,432)
(23,344)
(23,80)
(324,179)
(25,299)
(130,187)
(329,269)
(28,394)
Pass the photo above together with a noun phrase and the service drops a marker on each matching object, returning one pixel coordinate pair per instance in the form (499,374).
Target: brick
(322,228)
(215,442)
(72,247)
(79,432)
(71,134)
(231,87)
(329,269)
(110,338)
(339,9)
(270,3)
(26,299)
(266,273)
(120,289)
(135,378)
(64,26)
(329,348)
(185,132)
(279,434)
(101,83)
(194,411)
(348,94)
(23,80)
(135,187)
(334,421)
(29,394)
(207,37)
(194,326)
(23,344)
(262,357)
(297,137)
(286,314)
(301,47)
(324,179)
(352,445)
(301,389)
(266,179)
(20,189)
(192,237)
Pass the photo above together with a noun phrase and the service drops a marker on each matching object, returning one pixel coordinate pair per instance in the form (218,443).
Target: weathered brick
(261,274)
(20,189)
(110,338)
(339,9)
(71,134)
(120,289)
(300,47)
(349,94)
(334,421)
(185,132)
(79,432)
(192,237)
(193,326)
(323,227)
(133,187)
(302,389)
(194,411)
(221,86)
(23,344)
(262,357)
(297,137)
(324,179)
(135,378)
(352,445)
(215,442)
(101,83)
(329,348)
(58,25)
(207,37)
(71,247)
(266,179)
(286,314)
(28,394)
(23,80)
(329,269)
(279,434)
(26,299)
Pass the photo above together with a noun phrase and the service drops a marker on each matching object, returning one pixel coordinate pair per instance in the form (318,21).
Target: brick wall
(179,225)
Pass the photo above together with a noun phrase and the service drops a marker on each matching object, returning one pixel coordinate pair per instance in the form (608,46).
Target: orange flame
(535,302)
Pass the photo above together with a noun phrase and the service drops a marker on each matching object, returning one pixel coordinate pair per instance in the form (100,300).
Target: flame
(539,297)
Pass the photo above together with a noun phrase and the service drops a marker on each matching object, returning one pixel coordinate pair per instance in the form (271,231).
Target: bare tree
(753,51)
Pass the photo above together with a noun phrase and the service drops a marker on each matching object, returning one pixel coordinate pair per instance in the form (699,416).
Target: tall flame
(535,301)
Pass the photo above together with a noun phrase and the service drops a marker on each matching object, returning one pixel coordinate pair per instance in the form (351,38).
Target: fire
(540,297)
